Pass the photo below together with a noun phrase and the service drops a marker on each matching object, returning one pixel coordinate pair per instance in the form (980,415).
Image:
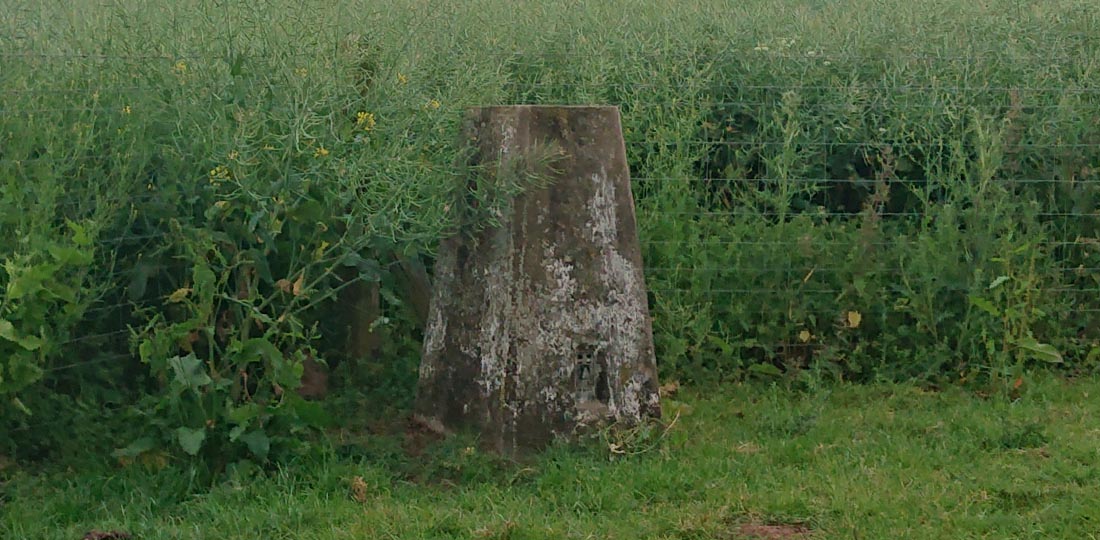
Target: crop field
(898,194)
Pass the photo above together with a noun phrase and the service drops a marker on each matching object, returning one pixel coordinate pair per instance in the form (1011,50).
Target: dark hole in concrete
(462,256)
(590,376)
(603,391)
(582,373)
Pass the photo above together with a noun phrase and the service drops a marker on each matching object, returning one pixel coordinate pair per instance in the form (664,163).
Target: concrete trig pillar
(541,326)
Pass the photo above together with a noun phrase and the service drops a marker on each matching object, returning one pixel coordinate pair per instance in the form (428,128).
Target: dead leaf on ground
(748,447)
(421,432)
(1040,452)
(107,535)
(774,532)
(359,489)
(670,388)
(505,530)
(298,284)
(178,295)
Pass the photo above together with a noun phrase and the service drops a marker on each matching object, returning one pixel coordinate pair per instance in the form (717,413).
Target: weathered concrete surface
(540,326)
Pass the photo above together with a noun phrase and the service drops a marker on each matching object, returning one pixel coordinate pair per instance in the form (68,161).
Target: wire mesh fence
(875,205)
(831,183)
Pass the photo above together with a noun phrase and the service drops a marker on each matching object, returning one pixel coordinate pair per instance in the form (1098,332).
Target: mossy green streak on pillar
(539,326)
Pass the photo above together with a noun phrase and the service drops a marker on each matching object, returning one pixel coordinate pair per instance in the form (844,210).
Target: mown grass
(878,461)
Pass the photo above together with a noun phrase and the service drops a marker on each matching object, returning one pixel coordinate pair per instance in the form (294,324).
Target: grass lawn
(858,462)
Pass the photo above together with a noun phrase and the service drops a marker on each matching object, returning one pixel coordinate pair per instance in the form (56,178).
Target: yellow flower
(433,104)
(854,318)
(320,251)
(301,72)
(219,173)
(401,78)
(126,109)
(321,152)
(180,67)
(234,155)
(364,120)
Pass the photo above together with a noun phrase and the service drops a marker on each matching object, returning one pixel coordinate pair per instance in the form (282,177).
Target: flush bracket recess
(590,374)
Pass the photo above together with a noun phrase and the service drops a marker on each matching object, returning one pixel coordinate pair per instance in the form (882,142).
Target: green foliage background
(862,189)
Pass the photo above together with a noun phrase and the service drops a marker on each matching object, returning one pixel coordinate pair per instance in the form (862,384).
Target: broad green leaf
(23,369)
(985,305)
(254,221)
(148,351)
(189,371)
(1040,351)
(139,281)
(236,433)
(720,343)
(61,291)
(307,212)
(29,281)
(765,369)
(310,413)
(7,331)
(256,350)
(70,256)
(243,414)
(80,234)
(259,262)
(258,443)
(191,439)
(369,270)
(204,279)
(31,343)
(136,448)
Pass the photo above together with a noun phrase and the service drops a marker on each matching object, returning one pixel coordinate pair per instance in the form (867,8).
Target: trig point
(540,326)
